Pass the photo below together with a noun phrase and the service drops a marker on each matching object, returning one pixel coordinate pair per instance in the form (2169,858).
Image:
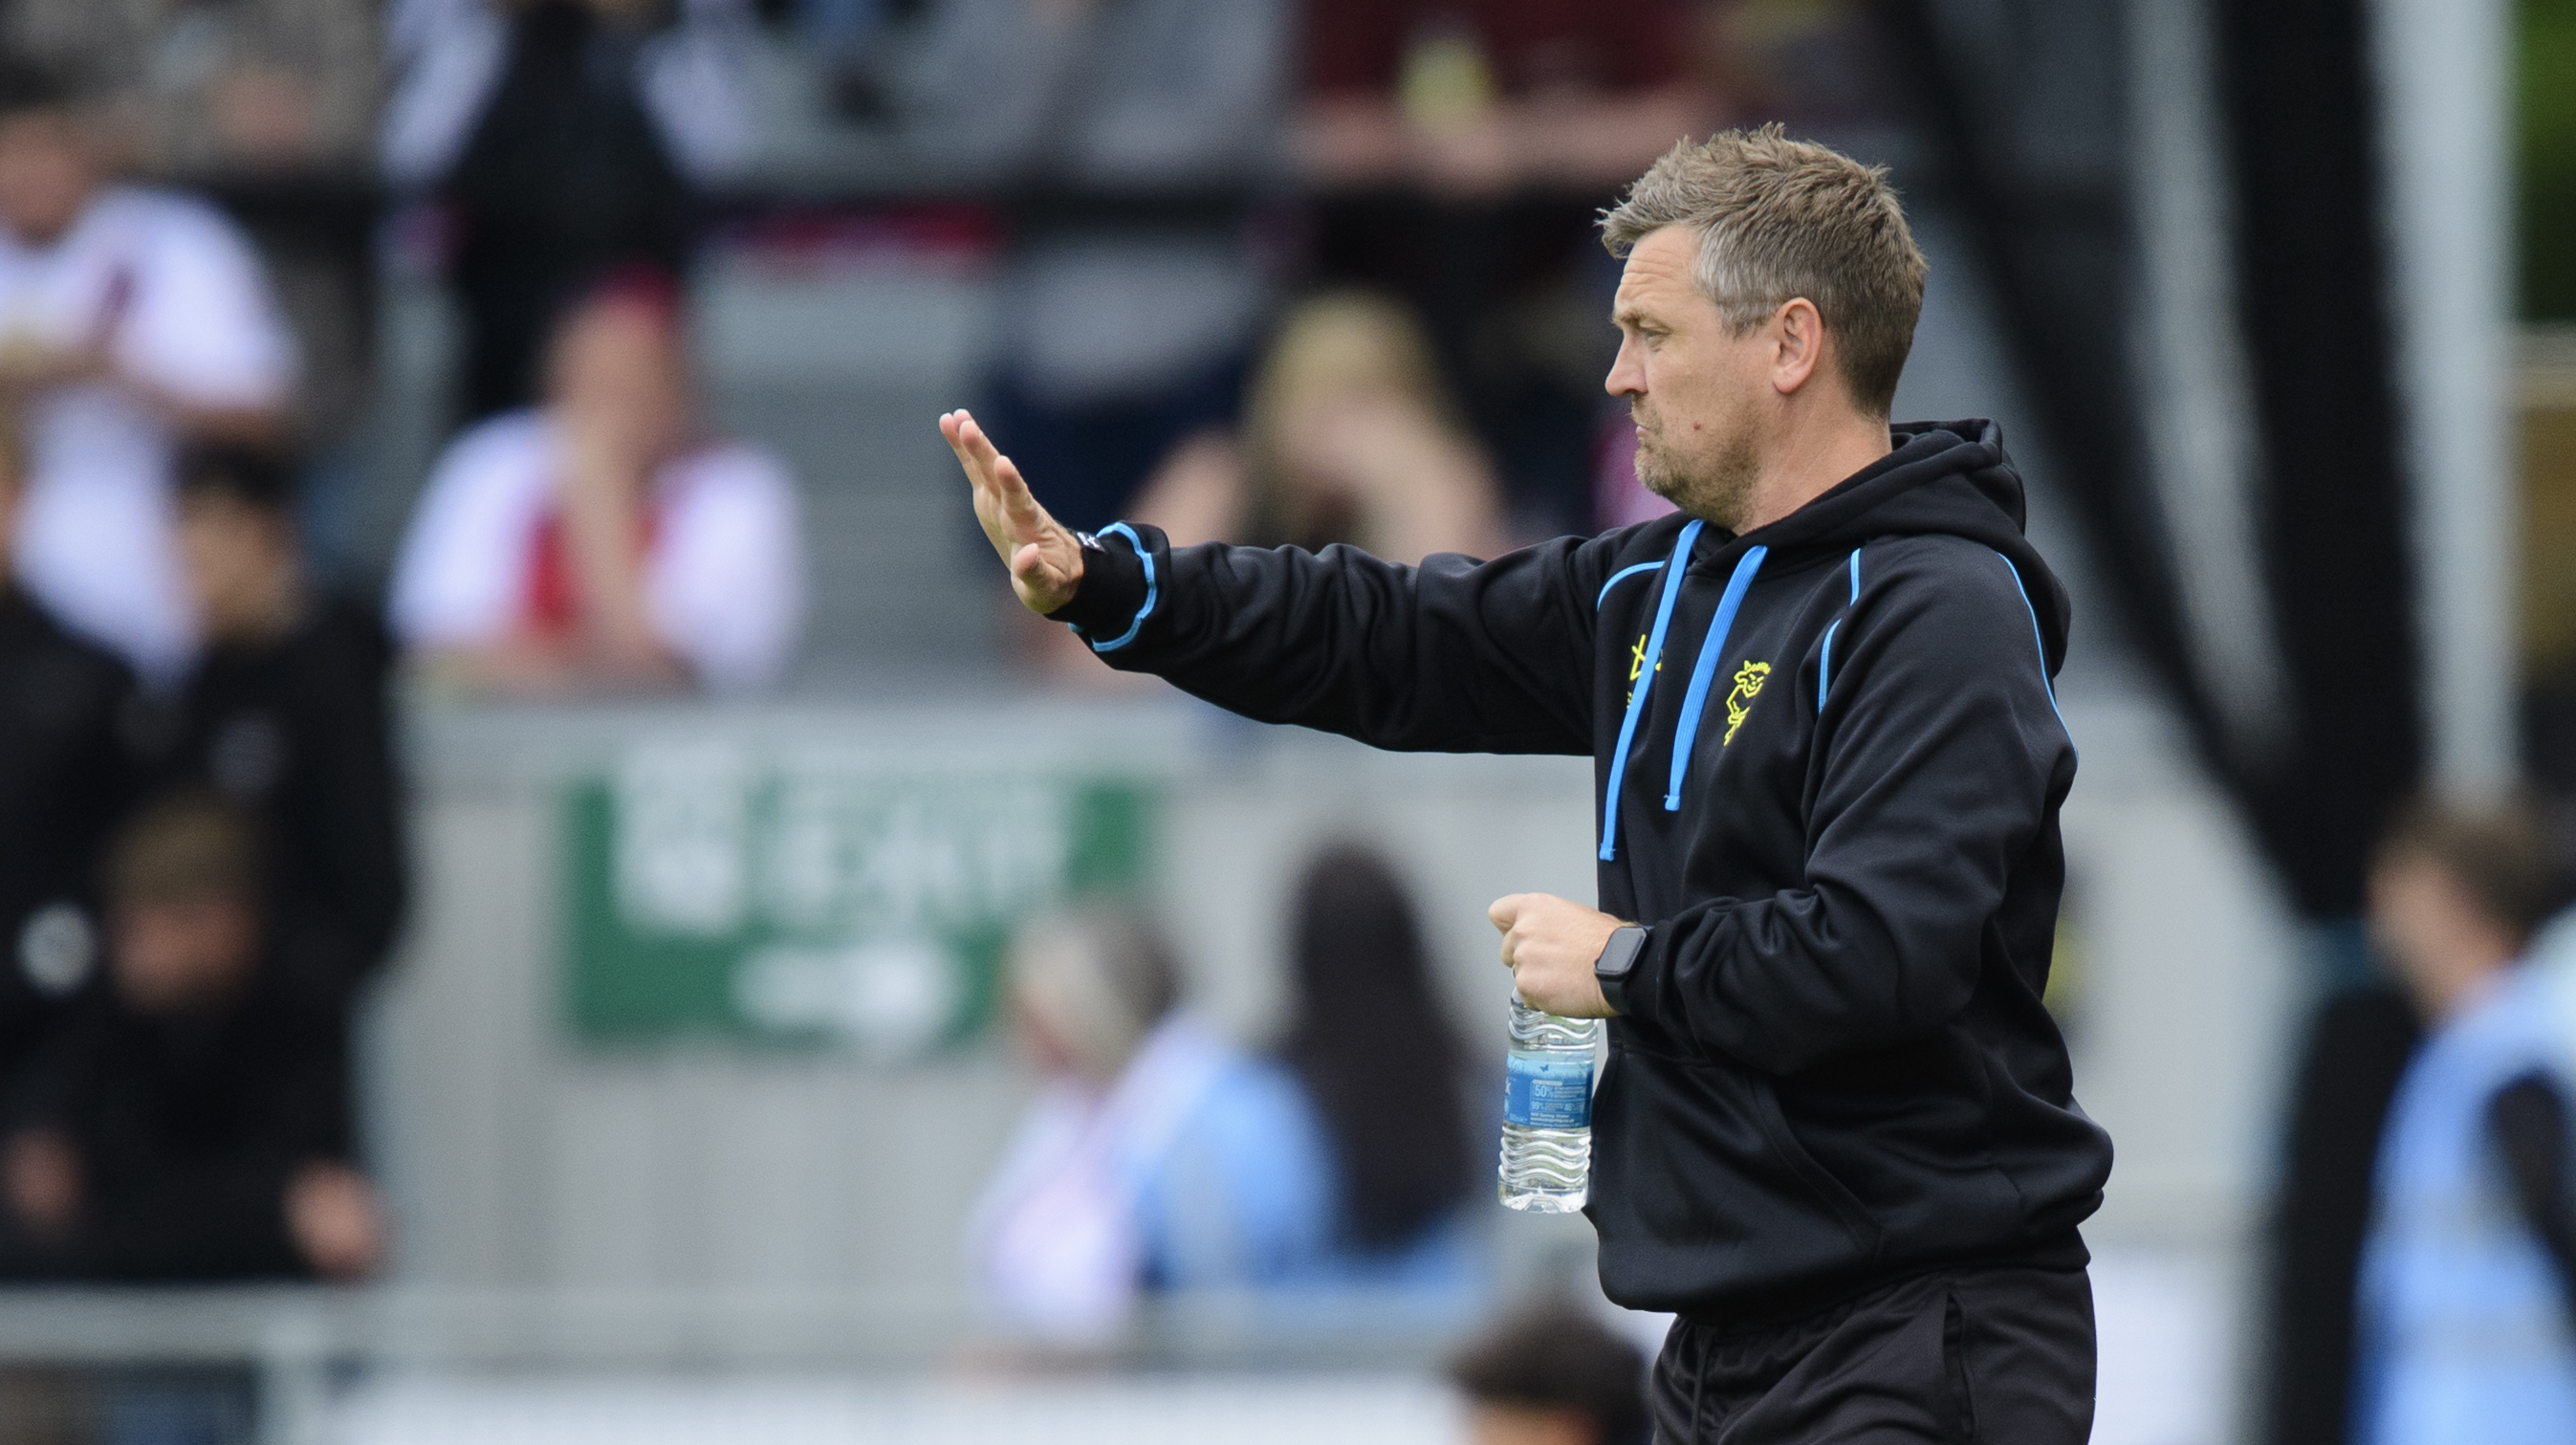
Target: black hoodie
(1835,1069)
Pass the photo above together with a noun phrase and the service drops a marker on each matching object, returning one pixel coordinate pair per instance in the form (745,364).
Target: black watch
(1618,957)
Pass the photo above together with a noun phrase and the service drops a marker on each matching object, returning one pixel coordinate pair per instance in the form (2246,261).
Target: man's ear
(1798,344)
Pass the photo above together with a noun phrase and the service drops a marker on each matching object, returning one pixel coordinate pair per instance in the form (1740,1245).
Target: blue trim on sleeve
(1617,577)
(2041,643)
(1825,662)
(1637,694)
(1704,670)
(1146,557)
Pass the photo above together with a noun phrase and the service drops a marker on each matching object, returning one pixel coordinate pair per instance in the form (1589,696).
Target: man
(286,717)
(2468,1288)
(1836,1135)
(130,319)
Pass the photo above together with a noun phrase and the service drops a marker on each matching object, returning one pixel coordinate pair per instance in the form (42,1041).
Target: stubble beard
(1716,486)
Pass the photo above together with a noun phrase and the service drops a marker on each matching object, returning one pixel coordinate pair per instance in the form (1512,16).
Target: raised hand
(1045,561)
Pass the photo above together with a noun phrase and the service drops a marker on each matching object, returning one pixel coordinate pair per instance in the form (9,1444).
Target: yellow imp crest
(1748,684)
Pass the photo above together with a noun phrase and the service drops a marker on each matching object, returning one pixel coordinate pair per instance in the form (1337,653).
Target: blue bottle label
(1548,1093)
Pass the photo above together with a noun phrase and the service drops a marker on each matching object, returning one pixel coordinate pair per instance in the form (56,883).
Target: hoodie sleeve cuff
(1117,592)
(1645,977)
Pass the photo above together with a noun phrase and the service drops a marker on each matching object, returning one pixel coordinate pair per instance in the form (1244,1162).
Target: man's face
(1701,395)
(176,953)
(47,173)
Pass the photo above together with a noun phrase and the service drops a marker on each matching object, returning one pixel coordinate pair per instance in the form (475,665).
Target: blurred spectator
(566,139)
(269,106)
(68,722)
(1135,131)
(2469,1280)
(1348,436)
(603,542)
(1478,97)
(1552,1374)
(194,1123)
(1381,1072)
(208,90)
(1462,148)
(129,319)
(2357,1047)
(1157,1155)
(286,717)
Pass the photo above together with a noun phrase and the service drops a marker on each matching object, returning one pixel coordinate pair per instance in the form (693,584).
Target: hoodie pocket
(1838,1200)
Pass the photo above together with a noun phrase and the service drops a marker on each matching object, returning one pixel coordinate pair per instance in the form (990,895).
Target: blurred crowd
(1293,272)
(1272,272)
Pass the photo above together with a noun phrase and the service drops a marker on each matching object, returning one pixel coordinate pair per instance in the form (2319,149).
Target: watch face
(1620,954)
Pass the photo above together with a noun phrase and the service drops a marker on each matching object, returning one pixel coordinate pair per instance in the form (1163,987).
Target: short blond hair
(1780,219)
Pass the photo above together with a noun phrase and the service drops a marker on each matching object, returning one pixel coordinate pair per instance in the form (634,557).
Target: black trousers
(1973,1355)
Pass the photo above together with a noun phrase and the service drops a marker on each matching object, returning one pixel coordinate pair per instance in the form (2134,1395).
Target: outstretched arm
(1456,655)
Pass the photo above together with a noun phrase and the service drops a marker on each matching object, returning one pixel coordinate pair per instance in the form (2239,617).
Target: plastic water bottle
(1547,1112)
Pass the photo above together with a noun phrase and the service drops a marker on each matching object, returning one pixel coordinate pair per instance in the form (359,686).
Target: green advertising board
(820,900)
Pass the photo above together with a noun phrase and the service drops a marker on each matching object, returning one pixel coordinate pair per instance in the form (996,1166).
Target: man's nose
(1627,375)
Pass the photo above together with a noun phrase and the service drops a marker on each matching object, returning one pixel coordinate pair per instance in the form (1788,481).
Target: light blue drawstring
(1637,693)
(1711,647)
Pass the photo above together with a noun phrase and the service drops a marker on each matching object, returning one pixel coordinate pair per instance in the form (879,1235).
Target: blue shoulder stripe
(1825,661)
(2039,642)
(1619,576)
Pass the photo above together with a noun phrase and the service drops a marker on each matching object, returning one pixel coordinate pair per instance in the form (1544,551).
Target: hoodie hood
(1947,478)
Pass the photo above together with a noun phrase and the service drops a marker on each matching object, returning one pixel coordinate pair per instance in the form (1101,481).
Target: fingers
(1505,909)
(995,475)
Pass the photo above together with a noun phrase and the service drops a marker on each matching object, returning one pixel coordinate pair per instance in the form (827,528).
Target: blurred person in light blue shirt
(1161,1157)
(2469,1276)
(1157,1155)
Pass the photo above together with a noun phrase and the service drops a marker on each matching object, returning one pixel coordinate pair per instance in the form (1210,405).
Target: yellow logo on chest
(1637,663)
(1748,685)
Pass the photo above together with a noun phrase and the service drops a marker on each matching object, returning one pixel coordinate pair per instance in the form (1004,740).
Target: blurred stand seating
(561,140)
(130,319)
(192,1122)
(286,717)
(602,542)
(1551,1373)
(1459,154)
(1132,288)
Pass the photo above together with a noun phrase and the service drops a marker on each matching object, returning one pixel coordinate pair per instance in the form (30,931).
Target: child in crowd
(286,717)
(193,1123)
(1552,1374)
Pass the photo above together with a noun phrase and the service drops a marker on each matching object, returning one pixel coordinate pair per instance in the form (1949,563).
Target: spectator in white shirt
(130,319)
(601,542)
